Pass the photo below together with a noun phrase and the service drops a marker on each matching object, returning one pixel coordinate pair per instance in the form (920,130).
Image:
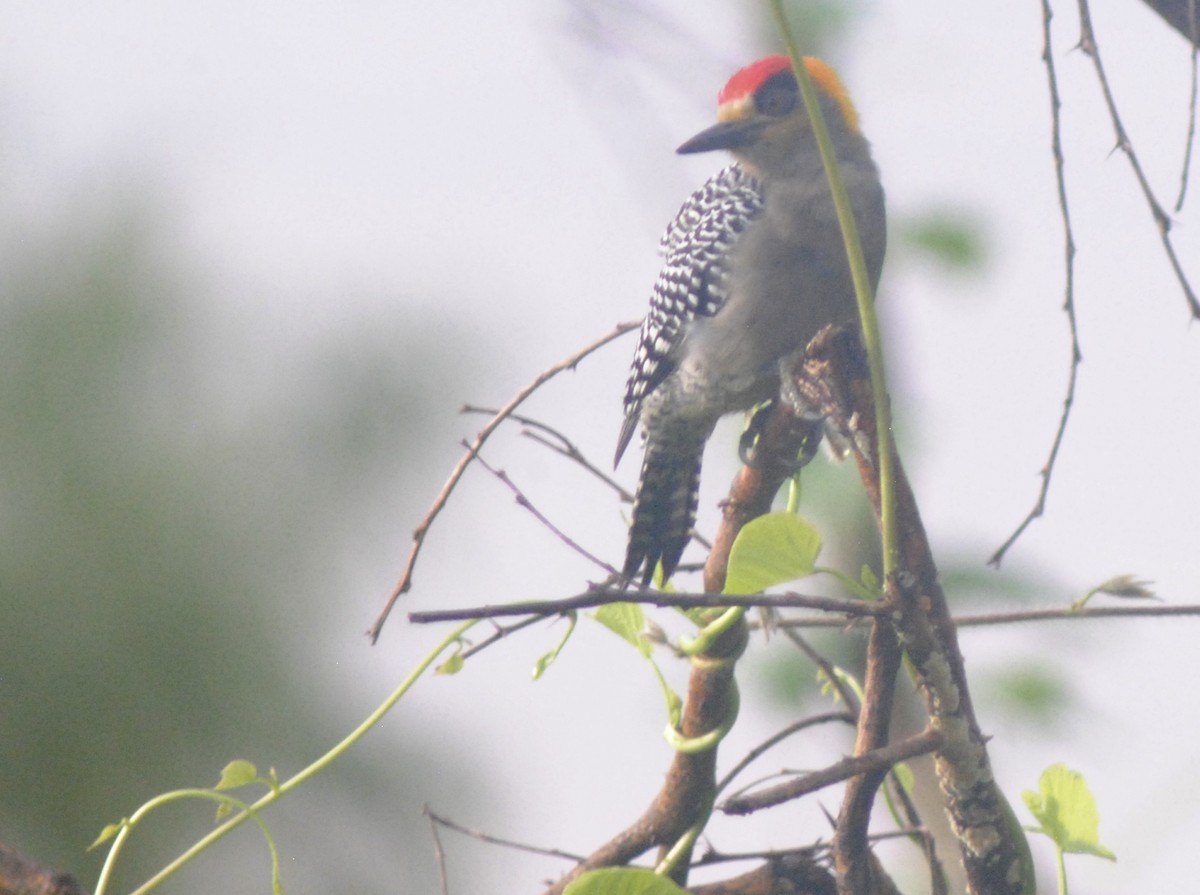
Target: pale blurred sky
(509,167)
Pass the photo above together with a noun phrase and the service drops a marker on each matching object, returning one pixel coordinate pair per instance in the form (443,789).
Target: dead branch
(877,761)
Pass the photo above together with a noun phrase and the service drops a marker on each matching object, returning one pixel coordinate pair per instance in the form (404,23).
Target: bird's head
(761,117)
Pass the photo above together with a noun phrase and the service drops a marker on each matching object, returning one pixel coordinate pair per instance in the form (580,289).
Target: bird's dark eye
(777,97)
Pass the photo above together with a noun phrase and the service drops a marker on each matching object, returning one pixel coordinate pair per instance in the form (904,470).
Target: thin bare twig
(776,739)
(600,596)
(848,696)
(1041,615)
(496,840)
(523,501)
(1008,618)
(560,444)
(500,632)
(879,759)
(418,538)
(1087,42)
(916,830)
(438,854)
(1047,470)
(1028,615)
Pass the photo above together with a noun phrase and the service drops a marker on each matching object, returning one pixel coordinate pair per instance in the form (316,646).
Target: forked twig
(848,696)
(778,737)
(877,760)
(418,537)
(525,502)
(552,439)
(549,437)
(1087,42)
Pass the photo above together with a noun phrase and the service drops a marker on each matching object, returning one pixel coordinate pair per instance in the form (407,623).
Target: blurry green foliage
(1036,693)
(159,521)
(816,24)
(953,239)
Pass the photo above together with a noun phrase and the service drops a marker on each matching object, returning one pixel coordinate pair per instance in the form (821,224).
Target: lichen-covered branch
(993,849)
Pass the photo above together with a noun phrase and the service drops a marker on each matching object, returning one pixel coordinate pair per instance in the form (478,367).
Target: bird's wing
(693,281)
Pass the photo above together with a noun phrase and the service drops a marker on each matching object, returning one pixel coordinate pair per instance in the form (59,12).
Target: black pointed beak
(726,135)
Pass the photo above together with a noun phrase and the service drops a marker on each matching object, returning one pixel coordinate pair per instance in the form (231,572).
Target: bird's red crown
(737,94)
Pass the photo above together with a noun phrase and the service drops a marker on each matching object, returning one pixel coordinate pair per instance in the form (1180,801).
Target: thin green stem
(707,636)
(284,788)
(683,845)
(862,290)
(793,500)
(706,741)
(166,798)
(1060,860)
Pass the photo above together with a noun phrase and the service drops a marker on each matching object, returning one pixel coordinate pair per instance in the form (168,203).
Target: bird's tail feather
(664,510)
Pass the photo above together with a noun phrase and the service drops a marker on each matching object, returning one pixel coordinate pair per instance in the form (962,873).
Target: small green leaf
(1038,692)
(904,774)
(869,579)
(626,620)
(545,661)
(770,550)
(949,237)
(674,703)
(453,665)
(1067,812)
(843,676)
(622,881)
(237,773)
(108,833)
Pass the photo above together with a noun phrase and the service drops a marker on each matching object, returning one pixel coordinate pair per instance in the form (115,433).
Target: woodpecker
(754,266)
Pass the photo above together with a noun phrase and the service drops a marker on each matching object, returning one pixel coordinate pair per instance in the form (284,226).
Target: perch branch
(687,795)
(600,596)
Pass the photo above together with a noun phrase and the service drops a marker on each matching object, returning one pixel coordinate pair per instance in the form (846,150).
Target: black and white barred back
(693,283)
